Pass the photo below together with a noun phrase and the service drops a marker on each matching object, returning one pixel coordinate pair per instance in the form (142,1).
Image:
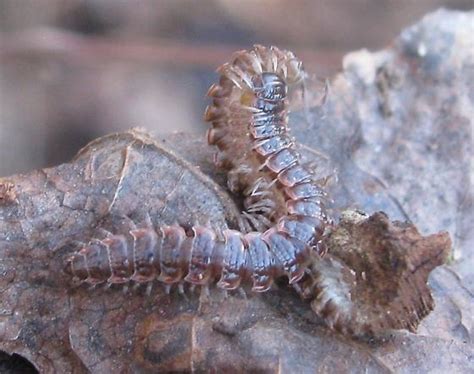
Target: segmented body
(284,201)
(173,256)
(249,117)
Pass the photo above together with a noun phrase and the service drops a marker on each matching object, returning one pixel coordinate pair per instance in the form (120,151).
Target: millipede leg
(125,288)
(149,287)
(181,290)
(242,293)
(298,290)
(148,222)
(104,233)
(205,296)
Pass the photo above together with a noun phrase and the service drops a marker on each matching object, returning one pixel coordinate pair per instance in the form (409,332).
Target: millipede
(249,126)
(284,203)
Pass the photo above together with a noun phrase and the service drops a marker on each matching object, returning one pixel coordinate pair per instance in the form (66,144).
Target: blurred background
(72,70)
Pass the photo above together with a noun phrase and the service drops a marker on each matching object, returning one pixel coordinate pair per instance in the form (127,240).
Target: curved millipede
(284,202)
(249,117)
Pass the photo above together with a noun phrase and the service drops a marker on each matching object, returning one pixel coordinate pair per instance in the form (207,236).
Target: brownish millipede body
(284,201)
(249,117)
(172,256)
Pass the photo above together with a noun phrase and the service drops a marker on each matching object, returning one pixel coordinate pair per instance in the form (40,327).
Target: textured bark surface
(374,277)
(396,126)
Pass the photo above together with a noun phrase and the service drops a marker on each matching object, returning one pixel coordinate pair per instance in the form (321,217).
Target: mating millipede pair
(283,200)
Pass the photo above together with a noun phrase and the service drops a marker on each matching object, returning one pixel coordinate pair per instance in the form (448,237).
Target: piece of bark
(60,329)
(374,278)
